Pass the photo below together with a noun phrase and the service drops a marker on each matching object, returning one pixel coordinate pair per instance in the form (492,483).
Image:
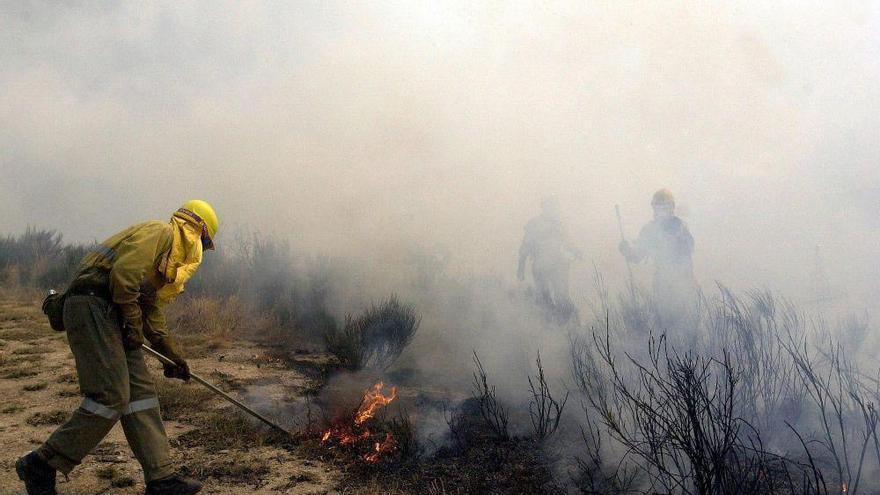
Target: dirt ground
(38,390)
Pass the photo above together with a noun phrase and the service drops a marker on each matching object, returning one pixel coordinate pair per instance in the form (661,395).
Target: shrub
(376,338)
(38,258)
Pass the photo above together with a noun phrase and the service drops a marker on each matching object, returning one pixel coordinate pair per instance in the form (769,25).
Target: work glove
(179,371)
(180,368)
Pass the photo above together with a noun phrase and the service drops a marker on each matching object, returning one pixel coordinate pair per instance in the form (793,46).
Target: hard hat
(663,197)
(206,216)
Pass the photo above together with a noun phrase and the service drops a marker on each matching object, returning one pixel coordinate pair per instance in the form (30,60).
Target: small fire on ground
(354,431)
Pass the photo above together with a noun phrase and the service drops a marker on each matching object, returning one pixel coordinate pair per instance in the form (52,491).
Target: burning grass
(475,459)
(358,432)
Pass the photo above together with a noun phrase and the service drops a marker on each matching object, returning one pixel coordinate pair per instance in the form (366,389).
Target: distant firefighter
(546,245)
(667,241)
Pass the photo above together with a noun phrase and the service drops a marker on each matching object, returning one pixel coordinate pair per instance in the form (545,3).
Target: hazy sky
(376,129)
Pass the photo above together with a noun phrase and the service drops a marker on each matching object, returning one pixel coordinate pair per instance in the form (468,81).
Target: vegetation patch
(122,482)
(226,428)
(19,373)
(24,334)
(12,409)
(55,417)
(32,350)
(181,401)
(297,479)
(27,358)
(240,468)
(69,392)
(375,338)
(106,472)
(67,378)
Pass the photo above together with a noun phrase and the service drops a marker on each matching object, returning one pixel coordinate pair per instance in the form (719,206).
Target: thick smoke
(378,131)
(414,140)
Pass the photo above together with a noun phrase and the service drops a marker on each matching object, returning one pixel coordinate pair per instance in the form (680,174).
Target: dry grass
(33,387)
(29,330)
(211,316)
(12,409)
(116,478)
(182,401)
(67,378)
(239,467)
(205,325)
(55,417)
(18,373)
(228,429)
(106,472)
(68,392)
(31,350)
(26,358)
(122,482)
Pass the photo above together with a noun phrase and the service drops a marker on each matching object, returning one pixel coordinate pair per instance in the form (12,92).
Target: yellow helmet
(206,216)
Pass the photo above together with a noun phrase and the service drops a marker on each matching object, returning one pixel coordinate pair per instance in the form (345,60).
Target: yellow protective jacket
(141,269)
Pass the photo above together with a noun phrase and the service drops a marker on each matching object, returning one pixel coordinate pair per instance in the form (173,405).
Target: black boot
(38,477)
(174,485)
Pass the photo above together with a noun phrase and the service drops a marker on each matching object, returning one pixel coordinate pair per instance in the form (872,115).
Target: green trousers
(117,386)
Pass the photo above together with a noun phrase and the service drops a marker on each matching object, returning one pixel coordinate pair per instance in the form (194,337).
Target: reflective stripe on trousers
(141,405)
(95,407)
(99,409)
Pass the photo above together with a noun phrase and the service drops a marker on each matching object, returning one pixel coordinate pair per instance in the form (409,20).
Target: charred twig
(545,411)
(493,413)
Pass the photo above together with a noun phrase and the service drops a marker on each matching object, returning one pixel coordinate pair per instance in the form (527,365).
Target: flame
(388,445)
(352,432)
(372,401)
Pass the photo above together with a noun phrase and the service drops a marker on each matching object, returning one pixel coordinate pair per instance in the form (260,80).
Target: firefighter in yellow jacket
(115,304)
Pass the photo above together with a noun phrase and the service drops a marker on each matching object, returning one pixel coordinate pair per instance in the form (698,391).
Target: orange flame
(372,401)
(355,433)
(388,445)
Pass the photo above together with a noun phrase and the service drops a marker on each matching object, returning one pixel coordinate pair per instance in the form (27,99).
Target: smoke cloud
(389,131)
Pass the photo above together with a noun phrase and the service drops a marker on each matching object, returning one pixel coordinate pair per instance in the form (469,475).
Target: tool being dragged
(213,388)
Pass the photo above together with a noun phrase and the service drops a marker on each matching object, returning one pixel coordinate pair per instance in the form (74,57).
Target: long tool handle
(210,386)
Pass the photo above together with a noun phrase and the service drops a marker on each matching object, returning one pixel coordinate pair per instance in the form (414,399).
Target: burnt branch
(493,413)
(545,411)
